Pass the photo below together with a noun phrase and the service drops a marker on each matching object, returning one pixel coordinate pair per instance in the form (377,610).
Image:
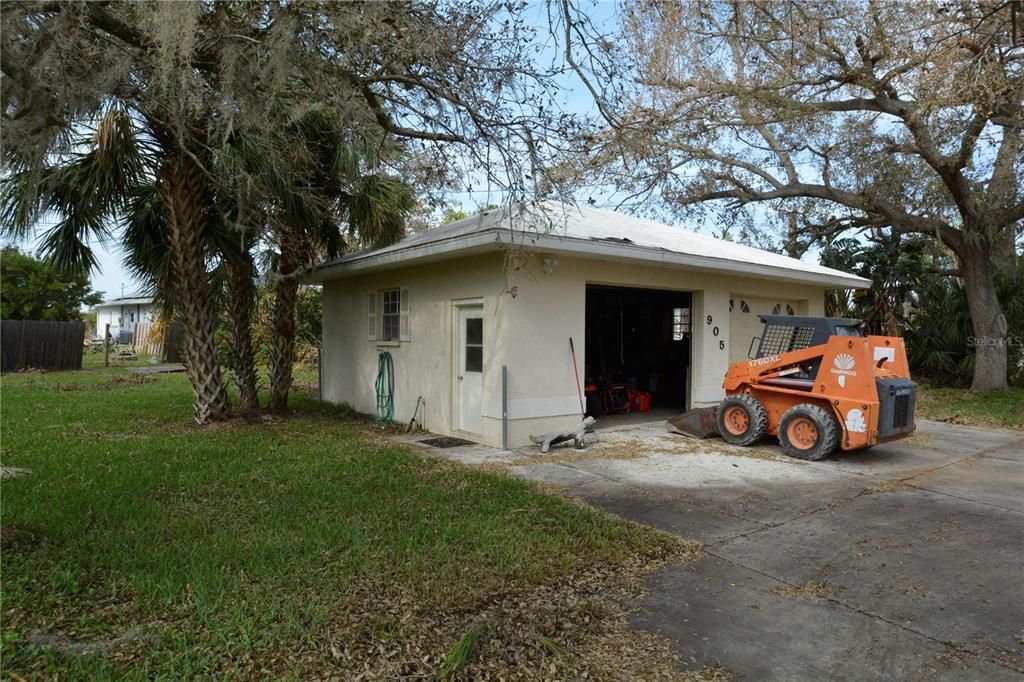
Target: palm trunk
(240,303)
(181,190)
(282,350)
(987,318)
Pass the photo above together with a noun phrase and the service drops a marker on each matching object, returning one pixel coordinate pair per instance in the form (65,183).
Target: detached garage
(476,317)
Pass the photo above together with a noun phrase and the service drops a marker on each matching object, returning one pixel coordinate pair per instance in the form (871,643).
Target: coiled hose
(385,387)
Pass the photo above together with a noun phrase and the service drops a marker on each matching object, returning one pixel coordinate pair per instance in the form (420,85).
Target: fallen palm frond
(13,472)
(462,651)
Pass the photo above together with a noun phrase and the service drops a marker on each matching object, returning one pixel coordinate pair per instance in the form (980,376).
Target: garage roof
(555,227)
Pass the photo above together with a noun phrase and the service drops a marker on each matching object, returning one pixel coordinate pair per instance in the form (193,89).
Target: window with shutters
(388,315)
(391,315)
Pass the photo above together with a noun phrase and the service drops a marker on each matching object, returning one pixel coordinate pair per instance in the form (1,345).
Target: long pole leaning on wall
(106,345)
(504,407)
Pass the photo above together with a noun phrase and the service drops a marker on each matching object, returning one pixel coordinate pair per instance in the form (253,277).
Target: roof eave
(646,254)
(453,247)
(498,238)
(126,301)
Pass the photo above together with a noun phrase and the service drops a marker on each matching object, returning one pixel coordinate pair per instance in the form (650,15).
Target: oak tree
(831,117)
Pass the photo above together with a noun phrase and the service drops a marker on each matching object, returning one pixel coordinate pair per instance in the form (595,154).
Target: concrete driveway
(900,562)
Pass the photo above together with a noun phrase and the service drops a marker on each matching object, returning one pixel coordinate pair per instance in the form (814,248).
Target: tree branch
(881,213)
(1002,185)
(571,60)
(102,19)
(970,139)
(384,121)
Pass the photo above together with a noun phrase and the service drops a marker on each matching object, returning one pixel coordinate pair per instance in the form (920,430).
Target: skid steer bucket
(700,422)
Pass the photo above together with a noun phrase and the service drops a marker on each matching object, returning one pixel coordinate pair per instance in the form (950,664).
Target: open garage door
(744,323)
(638,339)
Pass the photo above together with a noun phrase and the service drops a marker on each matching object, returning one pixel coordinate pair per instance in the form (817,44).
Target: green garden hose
(385,387)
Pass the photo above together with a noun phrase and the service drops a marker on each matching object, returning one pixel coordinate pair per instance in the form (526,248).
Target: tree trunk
(282,347)
(240,303)
(181,190)
(987,318)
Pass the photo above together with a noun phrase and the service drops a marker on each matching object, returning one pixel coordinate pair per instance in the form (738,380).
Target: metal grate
(446,442)
(785,338)
(901,412)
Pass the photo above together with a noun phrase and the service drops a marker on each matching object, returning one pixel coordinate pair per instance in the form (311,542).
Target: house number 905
(714,332)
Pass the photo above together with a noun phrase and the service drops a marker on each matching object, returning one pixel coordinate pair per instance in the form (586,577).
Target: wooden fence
(148,338)
(40,344)
(161,340)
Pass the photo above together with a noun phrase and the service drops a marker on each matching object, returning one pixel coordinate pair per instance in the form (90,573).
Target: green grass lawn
(303,546)
(92,359)
(960,406)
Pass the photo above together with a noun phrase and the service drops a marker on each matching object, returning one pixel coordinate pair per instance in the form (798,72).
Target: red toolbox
(639,401)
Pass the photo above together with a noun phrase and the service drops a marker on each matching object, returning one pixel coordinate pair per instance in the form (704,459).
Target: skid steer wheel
(808,431)
(742,419)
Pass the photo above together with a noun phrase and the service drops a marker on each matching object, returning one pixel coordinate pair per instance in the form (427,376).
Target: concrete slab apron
(717,612)
(914,551)
(944,569)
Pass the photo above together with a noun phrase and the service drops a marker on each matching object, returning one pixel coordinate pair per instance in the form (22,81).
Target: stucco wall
(530,311)
(550,307)
(423,365)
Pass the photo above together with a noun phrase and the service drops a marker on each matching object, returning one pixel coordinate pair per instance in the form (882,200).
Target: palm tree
(372,209)
(241,302)
(314,213)
(145,238)
(173,225)
(185,208)
(128,176)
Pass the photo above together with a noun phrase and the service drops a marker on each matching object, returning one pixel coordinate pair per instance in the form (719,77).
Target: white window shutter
(372,316)
(403,314)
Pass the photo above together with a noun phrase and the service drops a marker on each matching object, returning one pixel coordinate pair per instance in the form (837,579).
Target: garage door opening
(637,347)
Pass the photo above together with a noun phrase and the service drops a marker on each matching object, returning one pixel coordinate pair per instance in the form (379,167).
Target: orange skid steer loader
(818,384)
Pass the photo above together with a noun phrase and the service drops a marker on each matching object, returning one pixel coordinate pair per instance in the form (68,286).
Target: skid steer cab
(818,384)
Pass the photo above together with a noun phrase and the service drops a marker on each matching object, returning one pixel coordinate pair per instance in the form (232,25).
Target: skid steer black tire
(751,414)
(808,431)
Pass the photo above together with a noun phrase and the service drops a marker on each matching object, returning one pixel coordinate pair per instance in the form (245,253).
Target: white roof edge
(703,263)
(442,249)
(497,238)
(124,301)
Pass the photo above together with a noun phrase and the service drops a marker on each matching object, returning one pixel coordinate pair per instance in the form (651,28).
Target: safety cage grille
(779,338)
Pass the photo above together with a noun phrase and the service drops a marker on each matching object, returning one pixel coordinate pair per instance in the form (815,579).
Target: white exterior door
(469,370)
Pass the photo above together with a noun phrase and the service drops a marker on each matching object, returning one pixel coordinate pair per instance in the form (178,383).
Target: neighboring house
(123,314)
(654,306)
